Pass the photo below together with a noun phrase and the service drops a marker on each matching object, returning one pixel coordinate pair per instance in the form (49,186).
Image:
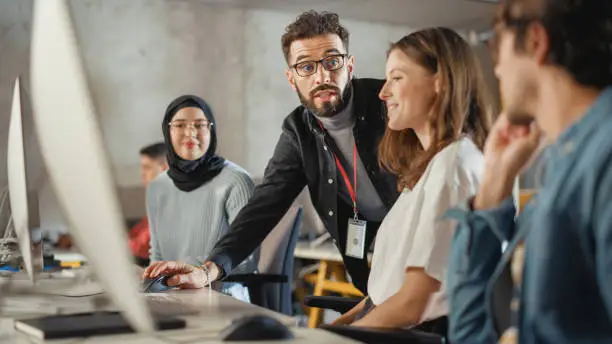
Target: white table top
(217,312)
(326,251)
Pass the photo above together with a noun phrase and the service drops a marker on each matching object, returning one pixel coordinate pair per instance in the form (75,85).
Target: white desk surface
(217,312)
(326,251)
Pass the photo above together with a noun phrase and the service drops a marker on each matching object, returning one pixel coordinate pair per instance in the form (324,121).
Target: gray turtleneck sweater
(340,128)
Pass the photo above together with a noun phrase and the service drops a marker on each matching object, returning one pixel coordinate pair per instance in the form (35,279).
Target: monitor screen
(31,251)
(76,160)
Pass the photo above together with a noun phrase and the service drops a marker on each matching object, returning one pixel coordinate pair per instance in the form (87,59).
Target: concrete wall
(14,51)
(230,56)
(140,54)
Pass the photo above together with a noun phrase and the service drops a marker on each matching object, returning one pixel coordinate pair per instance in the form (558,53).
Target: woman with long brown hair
(439,115)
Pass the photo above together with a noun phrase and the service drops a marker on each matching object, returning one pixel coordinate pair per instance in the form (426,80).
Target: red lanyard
(352,189)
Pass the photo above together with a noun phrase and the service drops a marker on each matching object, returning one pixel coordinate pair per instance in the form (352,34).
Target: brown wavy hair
(463,106)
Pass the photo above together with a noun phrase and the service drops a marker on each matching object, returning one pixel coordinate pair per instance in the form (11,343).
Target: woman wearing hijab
(192,204)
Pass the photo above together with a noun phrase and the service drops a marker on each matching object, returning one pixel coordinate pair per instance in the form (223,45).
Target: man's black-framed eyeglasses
(330,63)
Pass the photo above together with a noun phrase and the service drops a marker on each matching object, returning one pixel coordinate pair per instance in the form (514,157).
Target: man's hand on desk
(184,276)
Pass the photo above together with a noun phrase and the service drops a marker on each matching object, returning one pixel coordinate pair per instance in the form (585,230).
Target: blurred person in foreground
(553,283)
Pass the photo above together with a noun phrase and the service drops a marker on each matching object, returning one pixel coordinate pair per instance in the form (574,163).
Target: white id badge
(355,241)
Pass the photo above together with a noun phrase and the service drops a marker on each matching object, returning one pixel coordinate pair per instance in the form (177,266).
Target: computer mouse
(256,327)
(155,285)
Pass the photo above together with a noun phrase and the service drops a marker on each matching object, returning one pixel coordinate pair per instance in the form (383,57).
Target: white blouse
(413,235)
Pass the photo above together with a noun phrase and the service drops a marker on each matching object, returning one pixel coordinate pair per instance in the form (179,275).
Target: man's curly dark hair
(311,24)
(580,34)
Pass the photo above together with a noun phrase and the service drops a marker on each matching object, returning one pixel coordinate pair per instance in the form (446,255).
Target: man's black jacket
(303,156)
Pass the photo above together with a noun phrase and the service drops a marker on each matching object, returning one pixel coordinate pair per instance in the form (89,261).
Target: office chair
(271,287)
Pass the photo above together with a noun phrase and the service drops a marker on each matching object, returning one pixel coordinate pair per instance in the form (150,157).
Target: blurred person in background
(152,163)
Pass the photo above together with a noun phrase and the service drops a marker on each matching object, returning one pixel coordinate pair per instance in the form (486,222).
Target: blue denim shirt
(565,294)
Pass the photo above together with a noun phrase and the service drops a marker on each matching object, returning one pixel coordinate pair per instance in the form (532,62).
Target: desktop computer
(31,250)
(76,162)
(90,206)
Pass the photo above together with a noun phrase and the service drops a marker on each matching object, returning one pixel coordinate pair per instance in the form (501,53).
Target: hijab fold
(188,175)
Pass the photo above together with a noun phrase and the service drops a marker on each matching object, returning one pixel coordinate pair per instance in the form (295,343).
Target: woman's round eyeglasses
(197,126)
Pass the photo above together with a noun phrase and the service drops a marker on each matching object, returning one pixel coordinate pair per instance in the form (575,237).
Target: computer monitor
(78,167)
(31,251)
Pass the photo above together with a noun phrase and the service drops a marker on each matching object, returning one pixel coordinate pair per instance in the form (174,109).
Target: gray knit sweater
(186,225)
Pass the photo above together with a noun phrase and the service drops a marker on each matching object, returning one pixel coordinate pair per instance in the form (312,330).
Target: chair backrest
(312,225)
(276,257)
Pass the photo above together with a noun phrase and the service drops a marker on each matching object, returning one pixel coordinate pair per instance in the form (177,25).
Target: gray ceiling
(458,14)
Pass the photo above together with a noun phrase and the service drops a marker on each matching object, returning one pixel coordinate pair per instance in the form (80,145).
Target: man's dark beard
(329,109)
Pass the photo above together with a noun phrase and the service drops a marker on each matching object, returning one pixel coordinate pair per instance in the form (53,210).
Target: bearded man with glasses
(328,143)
